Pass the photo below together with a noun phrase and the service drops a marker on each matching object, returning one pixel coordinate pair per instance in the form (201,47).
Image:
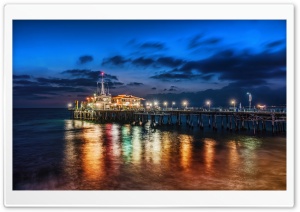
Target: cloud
(173,88)
(113,85)
(77,82)
(207,76)
(170,61)
(25,76)
(233,66)
(199,40)
(66,82)
(171,76)
(194,41)
(141,61)
(154,88)
(275,43)
(178,75)
(85,59)
(94,75)
(117,60)
(247,83)
(82,73)
(144,61)
(152,45)
(54,88)
(135,84)
(44,90)
(24,82)
(229,65)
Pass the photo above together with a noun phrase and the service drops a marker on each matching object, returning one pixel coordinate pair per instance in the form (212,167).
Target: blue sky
(56,62)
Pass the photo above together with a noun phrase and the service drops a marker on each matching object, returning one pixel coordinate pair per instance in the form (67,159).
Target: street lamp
(185,104)
(69,105)
(166,104)
(155,104)
(250,99)
(173,103)
(208,103)
(233,102)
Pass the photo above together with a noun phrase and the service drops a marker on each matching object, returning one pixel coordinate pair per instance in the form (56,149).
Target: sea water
(51,151)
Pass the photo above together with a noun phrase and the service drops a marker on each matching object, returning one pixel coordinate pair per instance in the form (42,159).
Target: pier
(256,121)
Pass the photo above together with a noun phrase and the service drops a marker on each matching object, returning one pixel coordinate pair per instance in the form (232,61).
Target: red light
(102,73)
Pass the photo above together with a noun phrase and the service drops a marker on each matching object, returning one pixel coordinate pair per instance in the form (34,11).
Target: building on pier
(127,101)
(102,100)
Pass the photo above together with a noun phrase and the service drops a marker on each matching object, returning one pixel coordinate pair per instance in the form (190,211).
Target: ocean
(51,151)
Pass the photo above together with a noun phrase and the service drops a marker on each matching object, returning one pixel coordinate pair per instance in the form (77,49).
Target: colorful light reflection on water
(80,155)
(113,156)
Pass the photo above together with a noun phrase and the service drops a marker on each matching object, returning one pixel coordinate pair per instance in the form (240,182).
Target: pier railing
(230,120)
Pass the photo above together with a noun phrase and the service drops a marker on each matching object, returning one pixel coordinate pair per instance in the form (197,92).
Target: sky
(56,62)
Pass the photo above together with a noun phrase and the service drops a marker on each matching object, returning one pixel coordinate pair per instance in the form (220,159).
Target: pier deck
(231,120)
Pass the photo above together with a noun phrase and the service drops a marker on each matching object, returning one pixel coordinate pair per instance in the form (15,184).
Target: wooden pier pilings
(224,120)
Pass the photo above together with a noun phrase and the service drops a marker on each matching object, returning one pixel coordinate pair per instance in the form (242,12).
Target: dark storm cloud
(199,40)
(275,43)
(194,41)
(135,84)
(247,83)
(173,88)
(152,45)
(154,88)
(113,85)
(40,87)
(170,61)
(82,73)
(65,82)
(85,59)
(178,75)
(24,82)
(88,74)
(207,76)
(171,76)
(230,65)
(141,61)
(25,76)
(144,61)
(117,60)
(36,97)
(44,90)
(78,82)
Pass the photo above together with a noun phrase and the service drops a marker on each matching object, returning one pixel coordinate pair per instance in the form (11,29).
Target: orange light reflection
(209,154)
(185,150)
(92,153)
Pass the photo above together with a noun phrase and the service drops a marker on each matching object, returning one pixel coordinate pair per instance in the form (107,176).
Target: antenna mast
(102,85)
